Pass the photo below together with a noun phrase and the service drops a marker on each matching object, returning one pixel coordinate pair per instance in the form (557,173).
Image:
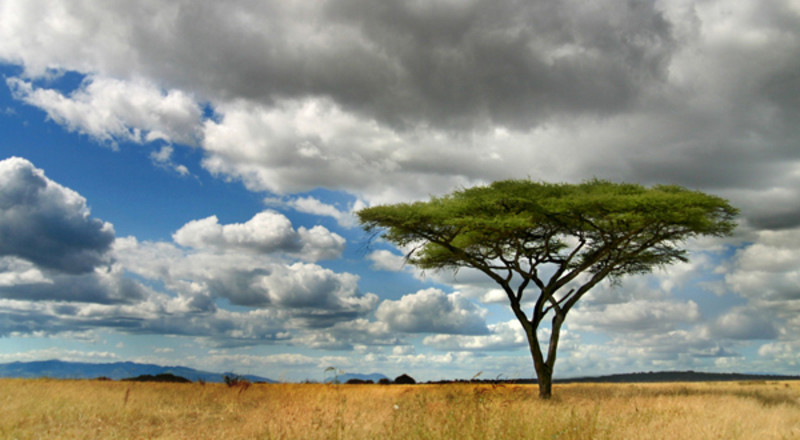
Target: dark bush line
(403,379)
(359,382)
(163,377)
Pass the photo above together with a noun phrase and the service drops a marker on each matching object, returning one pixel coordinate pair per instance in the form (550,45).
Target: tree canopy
(549,236)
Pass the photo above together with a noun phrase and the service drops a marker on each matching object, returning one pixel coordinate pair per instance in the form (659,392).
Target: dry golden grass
(45,409)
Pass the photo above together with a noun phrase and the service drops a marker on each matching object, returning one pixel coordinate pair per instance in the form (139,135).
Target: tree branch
(557,304)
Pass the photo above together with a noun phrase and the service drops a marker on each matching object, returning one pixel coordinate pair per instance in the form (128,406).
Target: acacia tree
(559,240)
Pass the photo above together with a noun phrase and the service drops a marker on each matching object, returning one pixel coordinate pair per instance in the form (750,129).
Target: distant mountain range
(676,376)
(653,377)
(118,370)
(123,370)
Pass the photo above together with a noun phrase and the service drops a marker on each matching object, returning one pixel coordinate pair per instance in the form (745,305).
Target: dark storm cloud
(776,220)
(363,96)
(47,224)
(509,63)
(461,64)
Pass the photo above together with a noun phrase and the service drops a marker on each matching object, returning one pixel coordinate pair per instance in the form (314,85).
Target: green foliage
(625,227)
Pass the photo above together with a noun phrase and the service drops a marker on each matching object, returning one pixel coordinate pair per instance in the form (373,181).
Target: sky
(178,179)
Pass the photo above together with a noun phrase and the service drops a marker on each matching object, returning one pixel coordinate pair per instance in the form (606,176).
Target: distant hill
(124,370)
(648,377)
(342,378)
(118,370)
(675,376)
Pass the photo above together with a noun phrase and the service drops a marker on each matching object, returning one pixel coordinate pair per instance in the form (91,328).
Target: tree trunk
(545,381)
(544,372)
(544,378)
(544,366)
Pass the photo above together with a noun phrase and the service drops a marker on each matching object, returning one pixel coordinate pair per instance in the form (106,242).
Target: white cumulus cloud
(267,232)
(432,311)
(502,336)
(111,110)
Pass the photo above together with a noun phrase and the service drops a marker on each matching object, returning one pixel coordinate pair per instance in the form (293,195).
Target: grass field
(46,409)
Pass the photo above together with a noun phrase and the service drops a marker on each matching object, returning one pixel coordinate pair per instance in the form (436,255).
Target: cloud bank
(400,100)
(392,101)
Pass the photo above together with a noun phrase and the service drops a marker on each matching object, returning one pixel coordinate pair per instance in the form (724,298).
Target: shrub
(404,379)
(163,377)
(233,380)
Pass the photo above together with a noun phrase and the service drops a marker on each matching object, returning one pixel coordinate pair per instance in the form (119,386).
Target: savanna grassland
(45,409)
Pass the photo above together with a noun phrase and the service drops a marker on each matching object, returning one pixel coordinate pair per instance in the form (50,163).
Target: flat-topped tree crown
(511,229)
